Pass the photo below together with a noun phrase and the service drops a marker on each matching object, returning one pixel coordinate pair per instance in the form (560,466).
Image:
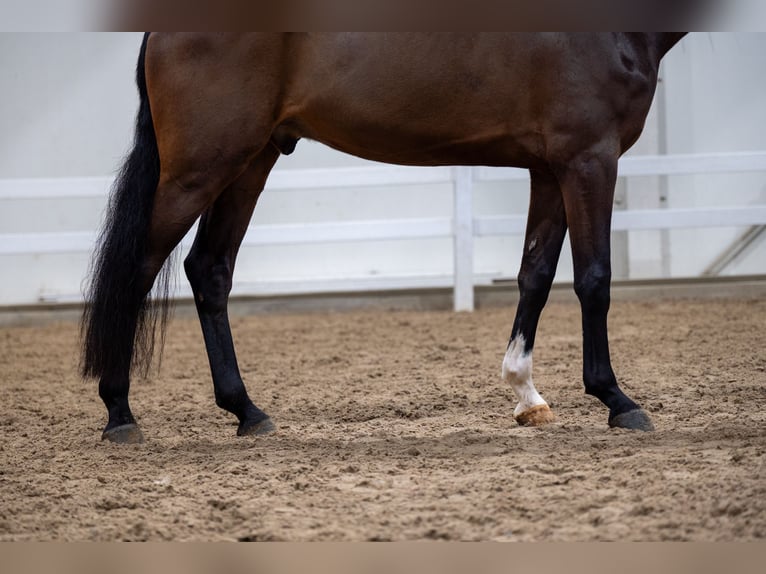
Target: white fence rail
(462,228)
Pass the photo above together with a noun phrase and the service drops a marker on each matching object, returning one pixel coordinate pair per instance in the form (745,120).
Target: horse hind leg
(546,227)
(177,204)
(209,268)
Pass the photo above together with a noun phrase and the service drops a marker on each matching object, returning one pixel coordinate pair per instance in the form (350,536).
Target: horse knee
(534,286)
(592,287)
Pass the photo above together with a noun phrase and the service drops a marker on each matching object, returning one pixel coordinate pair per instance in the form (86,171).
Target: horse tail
(119,321)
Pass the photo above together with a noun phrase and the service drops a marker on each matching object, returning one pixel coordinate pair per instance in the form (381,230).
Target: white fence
(463,227)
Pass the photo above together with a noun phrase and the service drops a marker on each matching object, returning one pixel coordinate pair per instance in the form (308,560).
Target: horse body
(492,99)
(483,99)
(217,110)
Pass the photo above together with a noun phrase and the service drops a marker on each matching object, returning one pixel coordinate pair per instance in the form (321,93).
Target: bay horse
(217,110)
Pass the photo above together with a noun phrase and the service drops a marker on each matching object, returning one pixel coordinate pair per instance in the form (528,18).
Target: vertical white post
(463,234)
(662,149)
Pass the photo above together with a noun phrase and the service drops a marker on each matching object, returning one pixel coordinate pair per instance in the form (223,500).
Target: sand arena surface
(396,426)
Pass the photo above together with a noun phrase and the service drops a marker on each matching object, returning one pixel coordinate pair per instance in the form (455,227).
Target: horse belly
(414,99)
(390,144)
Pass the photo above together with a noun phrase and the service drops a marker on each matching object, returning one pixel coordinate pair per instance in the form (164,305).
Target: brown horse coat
(218,109)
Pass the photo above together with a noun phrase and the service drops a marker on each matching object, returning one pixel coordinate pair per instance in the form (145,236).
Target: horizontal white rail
(279,180)
(680,218)
(55,188)
(350,284)
(283,234)
(691,164)
(46,243)
(329,178)
(499,225)
(293,234)
(641,219)
(286,234)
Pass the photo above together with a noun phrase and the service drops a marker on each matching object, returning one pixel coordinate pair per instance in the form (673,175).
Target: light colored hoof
(536,416)
(124,434)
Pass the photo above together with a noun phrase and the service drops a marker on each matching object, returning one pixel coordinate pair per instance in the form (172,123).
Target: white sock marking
(517,371)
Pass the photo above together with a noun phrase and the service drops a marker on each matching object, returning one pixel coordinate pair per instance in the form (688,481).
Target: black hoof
(636,419)
(264,426)
(124,434)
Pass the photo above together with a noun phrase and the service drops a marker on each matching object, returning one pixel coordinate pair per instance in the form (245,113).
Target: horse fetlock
(517,363)
(233,403)
(117,406)
(517,372)
(254,421)
(608,392)
(605,390)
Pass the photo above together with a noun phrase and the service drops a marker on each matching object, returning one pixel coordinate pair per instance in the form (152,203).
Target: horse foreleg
(546,227)
(209,267)
(588,190)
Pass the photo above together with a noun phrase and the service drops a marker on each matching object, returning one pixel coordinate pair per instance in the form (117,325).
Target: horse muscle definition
(216,111)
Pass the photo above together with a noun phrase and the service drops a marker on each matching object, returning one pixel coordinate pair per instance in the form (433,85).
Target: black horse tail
(119,321)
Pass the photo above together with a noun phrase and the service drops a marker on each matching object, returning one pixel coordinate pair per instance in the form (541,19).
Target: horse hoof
(264,426)
(124,434)
(637,419)
(536,416)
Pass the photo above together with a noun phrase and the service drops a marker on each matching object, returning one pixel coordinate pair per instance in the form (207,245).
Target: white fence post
(463,293)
